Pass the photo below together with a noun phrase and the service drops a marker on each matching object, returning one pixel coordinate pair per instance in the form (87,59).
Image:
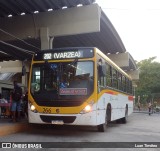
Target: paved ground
(140,128)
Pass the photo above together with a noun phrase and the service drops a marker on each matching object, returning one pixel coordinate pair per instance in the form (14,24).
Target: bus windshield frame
(62,80)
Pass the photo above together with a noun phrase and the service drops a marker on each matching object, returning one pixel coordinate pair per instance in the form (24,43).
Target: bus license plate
(59,122)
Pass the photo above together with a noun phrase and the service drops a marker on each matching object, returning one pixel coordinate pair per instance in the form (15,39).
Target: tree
(149,78)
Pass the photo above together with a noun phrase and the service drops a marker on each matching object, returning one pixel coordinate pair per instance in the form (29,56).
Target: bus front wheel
(102,127)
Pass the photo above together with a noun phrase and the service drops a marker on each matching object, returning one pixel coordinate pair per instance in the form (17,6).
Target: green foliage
(149,78)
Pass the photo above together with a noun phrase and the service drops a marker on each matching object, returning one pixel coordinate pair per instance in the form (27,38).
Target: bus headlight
(88,108)
(33,108)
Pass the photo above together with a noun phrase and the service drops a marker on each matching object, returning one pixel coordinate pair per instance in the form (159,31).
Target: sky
(138,25)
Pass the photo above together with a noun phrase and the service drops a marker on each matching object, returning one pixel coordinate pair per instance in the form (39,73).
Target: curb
(146,112)
(15,128)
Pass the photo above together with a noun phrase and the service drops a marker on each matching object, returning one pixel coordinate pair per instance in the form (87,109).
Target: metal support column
(44,36)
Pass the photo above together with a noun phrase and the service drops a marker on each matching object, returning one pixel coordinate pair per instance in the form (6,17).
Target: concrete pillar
(24,73)
(134,74)
(25,80)
(134,93)
(51,42)
(44,36)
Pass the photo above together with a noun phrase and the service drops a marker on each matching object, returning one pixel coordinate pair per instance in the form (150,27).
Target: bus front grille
(65,119)
(60,103)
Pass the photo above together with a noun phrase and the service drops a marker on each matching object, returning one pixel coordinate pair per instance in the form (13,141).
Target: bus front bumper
(68,119)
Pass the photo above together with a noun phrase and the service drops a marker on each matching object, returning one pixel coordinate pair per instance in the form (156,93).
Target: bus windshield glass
(62,80)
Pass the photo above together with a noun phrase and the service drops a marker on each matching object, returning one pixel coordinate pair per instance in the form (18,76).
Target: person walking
(16,104)
(149,107)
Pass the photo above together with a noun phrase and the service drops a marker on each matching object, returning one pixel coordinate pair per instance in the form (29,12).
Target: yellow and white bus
(78,86)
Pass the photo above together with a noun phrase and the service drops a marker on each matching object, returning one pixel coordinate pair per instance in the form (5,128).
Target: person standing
(139,106)
(16,104)
(25,103)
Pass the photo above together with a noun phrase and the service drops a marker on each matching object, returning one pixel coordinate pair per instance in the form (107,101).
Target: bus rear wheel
(124,119)
(103,127)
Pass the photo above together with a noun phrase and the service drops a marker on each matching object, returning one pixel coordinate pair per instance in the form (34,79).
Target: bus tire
(102,127)
(108,113)
(125,119)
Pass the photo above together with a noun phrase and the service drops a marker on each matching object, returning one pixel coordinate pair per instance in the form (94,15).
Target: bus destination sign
(70,54)
(63,55)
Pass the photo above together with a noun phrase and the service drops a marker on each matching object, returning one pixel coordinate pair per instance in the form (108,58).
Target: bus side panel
(101,107)
(130,107)
(118,104)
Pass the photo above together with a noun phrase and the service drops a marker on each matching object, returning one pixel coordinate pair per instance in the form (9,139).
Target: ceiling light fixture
(10,15)
(64,7)
(50,9)
(23,14)
(79,5)
(36,12)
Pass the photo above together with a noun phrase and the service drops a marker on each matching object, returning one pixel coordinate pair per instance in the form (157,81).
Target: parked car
(157,108)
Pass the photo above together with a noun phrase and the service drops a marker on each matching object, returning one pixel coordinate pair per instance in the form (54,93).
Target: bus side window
(108,75)
(104,81)
(99,69)
(127,85)
(124,83)
(130,87)
(119,81)
(114,77)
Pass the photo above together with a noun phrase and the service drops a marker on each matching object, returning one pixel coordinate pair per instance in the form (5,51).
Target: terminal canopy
(19,44)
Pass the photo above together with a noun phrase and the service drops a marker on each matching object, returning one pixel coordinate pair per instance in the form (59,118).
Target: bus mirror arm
(74,61)
(47,64)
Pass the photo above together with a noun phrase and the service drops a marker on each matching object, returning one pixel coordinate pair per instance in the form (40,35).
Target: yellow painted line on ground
(13,128)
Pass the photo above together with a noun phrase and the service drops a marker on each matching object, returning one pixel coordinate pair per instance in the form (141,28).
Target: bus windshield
(62,80)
